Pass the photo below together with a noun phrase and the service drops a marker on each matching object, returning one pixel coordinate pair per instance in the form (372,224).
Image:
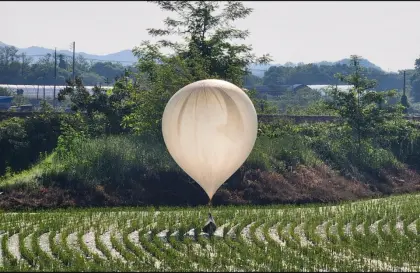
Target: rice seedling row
(374,235)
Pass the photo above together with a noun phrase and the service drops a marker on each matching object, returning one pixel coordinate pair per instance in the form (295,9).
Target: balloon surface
(209,128)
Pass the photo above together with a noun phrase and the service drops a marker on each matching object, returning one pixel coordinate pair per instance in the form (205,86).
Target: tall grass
(127,169)
(110,159)
(126,160)
(277,154)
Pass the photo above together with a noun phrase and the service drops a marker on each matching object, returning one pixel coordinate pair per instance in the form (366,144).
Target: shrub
(22,140)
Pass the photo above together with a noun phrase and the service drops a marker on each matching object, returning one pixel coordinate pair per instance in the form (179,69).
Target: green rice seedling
(27,255)
(44,261)
(130,245)
(131,258)
(69,256)
(332,238)
(316,238)
(101,246)
(9,261)
(94,261)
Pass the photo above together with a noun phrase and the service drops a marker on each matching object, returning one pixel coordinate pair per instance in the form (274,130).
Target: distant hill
(258,70)
(363,63)
(126,57)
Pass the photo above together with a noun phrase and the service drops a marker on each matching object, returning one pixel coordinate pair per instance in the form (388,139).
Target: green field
(373,235)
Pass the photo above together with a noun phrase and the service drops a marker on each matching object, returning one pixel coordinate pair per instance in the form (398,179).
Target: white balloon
(209,128)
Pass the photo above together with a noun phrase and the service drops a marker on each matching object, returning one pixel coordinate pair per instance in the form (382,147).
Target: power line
(55,73)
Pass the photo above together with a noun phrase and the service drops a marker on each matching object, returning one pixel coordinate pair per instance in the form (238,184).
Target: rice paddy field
(372,235)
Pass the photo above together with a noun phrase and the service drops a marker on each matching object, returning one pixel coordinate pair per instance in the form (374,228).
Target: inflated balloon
(210,128)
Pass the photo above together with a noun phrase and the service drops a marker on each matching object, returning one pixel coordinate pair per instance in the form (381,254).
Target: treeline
(21,69)
(312,74)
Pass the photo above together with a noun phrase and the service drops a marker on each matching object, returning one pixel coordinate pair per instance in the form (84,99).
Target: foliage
(19,100)
(315,108)
(206,52)
(301,102)
(251,81)
(46,107)
(253,238)
(285,147)
(22,140)
(262,106)
(110,161)
(405,103)
(361,108)
(12,139)
(96,150)
(20,69)
(74,131)
(311,74)
(206,27)
(5,92)
(415,85)
(108,106)
(160,82)
(337,148)
(78,95)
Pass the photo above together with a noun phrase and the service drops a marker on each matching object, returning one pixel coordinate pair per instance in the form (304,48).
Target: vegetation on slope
(111,152)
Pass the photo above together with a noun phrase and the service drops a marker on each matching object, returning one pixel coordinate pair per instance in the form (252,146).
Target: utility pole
(74,57)
(404,99)
(23,62)
(126,76)
(404,85)
(55,74)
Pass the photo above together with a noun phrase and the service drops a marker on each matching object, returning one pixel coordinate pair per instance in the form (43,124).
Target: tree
(81,63)
(207,29)
(417,64)
(404,99)
(19,100)
(262,106)
(5,92)
(415,81)
(415,90)
(78,94)
(312,74)
(362,108)
(14,71)
(107,69)
(206,51)
(113,105)
(62,62)
(250,81)
(8,54)
(404,102)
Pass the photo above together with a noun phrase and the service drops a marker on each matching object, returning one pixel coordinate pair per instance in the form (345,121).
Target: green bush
(127,160)
(23,139)
(5,92)
(112,160)
(279,147)
(335,146)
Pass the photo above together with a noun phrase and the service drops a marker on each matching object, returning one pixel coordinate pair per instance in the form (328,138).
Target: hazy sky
(386,33)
